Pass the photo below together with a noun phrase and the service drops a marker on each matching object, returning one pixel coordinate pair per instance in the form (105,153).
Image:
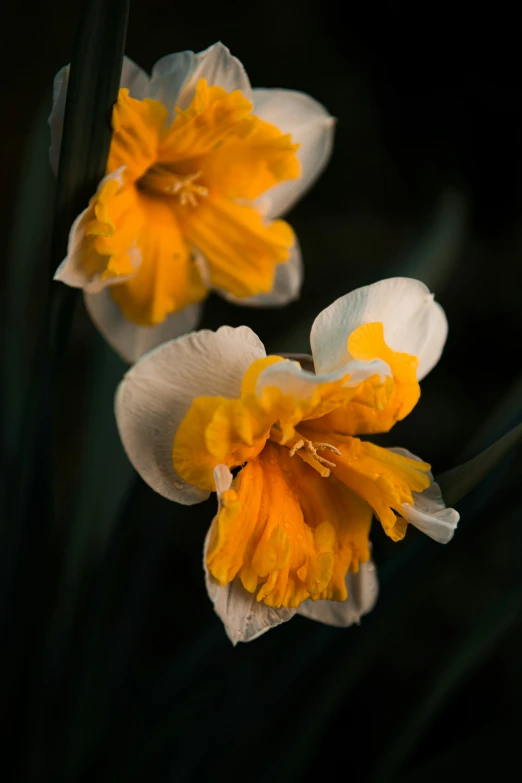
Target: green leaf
(95,73)
(505,415)
(434,254)
(105,477)
(21,309)
(93,84)
(457,482)
(94,80)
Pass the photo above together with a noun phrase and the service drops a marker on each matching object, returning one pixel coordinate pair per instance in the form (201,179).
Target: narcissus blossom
(278,440)
(201,167)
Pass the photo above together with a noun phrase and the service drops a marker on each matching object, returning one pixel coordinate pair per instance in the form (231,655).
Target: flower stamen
(297,445)
(186,188)
(161,180)
(310,452)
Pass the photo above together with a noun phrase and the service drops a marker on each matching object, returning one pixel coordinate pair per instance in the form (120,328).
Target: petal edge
(363,591)
(310,125)
(131,341)
(220,68)
(287,284)
(413,323)
(156,393)
(244,618)
(429,513)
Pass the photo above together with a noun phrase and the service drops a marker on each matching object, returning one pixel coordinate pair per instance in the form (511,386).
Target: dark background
(126,673)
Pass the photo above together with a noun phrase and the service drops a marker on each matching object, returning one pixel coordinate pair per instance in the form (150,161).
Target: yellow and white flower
(201,166)
(292,529)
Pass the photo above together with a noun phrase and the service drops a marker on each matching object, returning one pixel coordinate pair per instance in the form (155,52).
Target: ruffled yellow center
(283,530)
(298,515)
(186,192)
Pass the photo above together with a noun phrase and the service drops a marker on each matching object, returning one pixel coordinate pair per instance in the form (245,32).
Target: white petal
(244,618)
(168,77)
(287,284)
(429,513)
(220,69)
(223,479)
(156,393)
(436,334)
(363,590)
(132,77)
(293,379)
(72,270)
(311,126)
(305,360)
(130,340)
(175,76)
(413,323)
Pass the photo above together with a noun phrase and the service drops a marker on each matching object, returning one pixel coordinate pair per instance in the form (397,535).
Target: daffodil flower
(277,439)
(200,168)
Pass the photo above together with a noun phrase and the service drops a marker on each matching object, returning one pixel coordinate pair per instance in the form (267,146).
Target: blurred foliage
(115,666)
